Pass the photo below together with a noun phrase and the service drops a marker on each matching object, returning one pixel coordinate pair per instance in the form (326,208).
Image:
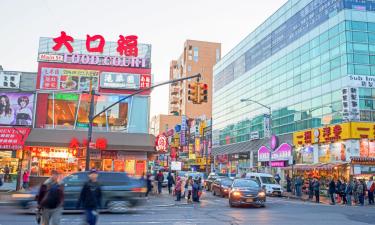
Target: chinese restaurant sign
(13,138)
(16,108)
(119,80)
(333,133)
(68,79)
(161,143)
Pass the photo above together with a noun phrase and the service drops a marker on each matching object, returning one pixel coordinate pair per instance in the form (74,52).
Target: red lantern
(84,142)
(74,143)
(101,143)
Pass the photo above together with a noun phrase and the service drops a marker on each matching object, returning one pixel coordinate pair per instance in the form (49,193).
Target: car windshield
(268,180)
(226,182)
(196,175)
(245,183)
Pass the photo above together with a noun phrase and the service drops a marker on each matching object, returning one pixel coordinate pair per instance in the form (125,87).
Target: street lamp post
(268,134)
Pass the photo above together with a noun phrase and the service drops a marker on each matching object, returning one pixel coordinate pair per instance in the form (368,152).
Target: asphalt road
(216,211)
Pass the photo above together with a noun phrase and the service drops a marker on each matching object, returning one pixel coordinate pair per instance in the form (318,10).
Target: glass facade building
(298,63)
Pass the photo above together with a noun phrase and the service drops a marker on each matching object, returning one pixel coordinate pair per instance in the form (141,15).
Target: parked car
(221,186)
(267,182)
(119,192)
(246,192)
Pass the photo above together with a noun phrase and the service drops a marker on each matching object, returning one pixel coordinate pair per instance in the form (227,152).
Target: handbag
(38,215)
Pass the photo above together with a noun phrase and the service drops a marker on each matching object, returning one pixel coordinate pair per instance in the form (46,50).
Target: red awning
(13,137)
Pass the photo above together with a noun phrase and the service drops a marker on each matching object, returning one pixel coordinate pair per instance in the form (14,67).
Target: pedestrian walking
(342,193)
(189,188)
(148,184)
(183,190)
(90,198)
(50,200)
(178,188)
(171,182)
(160,179)
(311,189)
(332,191)
(349,192)
(316,188)
(25,179)
(338,188)
(370,191)
(298,185)
(288,183)
(195,191)
(355,191)
(361,193)
(7,174)
(200,188)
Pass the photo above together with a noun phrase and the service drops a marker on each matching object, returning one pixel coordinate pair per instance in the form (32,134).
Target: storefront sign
(360,81)
(278,164)
(68,79)
(161,143)
(145,81)
(222,159)
(239,156)
(119,80)
(176,165)
(280,153)
(183,131)
(13,137)
(350,106)
(109,154)
(267,125)
(254,135)
(16,108)
(334,133)
(10,79)
(50,57)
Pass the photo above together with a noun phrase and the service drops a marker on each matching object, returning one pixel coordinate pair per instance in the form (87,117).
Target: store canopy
(247,146)
(319,166)
(115,140)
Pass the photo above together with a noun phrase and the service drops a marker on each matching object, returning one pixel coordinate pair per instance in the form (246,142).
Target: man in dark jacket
(170,182)
(160,179)
(90,198)
(316,187)
(332,191)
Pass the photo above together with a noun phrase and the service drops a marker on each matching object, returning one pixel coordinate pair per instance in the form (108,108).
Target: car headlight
(23,196)
(236,193)
(261,194)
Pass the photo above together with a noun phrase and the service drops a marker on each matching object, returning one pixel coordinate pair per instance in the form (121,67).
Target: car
(246,192)
(221,186)
(208,182)
(267,182)
(119,192)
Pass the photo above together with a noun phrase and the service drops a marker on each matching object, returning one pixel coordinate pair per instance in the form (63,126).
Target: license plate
(249,200)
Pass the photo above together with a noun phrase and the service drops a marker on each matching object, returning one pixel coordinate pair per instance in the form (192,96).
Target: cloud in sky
(165,24)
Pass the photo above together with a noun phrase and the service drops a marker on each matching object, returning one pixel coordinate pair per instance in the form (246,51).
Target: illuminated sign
(119,80)
(161,143)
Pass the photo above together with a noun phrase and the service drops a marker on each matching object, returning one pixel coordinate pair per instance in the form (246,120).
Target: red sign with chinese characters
(145,81)
(126,45)
(161,143)
(13,138)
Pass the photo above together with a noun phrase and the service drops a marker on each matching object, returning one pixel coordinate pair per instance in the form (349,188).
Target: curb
(7,204)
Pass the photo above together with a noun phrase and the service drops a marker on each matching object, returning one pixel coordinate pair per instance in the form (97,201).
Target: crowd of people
(181,187)
(341,191)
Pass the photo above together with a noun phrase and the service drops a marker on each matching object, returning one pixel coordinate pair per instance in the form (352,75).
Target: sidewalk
(8,186)
(305,198)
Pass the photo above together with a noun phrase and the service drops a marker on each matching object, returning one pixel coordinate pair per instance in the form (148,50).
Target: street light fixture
(269,113)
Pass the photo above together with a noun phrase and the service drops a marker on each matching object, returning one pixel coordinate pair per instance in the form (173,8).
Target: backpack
(52,198)
(372,188)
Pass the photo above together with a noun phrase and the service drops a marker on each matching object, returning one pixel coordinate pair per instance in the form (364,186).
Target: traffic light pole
(92,104)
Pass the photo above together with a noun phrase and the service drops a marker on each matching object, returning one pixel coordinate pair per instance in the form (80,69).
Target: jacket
(349,189)
(332,187)
(91,195)
(316,186)
(43,192)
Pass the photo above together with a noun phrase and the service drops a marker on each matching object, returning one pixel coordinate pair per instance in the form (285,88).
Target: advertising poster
(337,152)
(324,154)
(16,108)
(307,154)
(366,148)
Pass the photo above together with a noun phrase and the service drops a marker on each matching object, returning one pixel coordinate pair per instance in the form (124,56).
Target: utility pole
(92,117)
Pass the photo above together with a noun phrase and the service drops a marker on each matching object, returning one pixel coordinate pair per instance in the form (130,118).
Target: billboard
(16,108)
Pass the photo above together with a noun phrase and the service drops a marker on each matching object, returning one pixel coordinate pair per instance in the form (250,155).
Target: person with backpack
(50,200)
(90,198)
(160,179)
(370,191)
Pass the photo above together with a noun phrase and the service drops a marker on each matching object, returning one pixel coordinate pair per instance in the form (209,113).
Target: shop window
(62,109)
(365,115)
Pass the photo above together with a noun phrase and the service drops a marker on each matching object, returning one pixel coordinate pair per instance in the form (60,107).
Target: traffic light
(193,92)
(202,92)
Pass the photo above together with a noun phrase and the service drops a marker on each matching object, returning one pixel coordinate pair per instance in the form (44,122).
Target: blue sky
(165,24)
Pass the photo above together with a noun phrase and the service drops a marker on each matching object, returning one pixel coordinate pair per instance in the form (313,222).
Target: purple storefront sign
(279,156)
(183,131)
(278,164)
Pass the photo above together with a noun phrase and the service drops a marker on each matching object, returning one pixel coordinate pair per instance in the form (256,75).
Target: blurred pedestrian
(189,188)
(148,184)
(195,191)
(298,185)
(171,182)
(25,179)
(200,188)
(277,178)
(349,192)
(316,188)
(183,182)
(332,191)
(160,179)
(50,200)
(338,188)
(342,192)
(370,191)
(90,198)
(178,188)
(311,189)
(361,193)
(6,174)
(288,183)
(355,191)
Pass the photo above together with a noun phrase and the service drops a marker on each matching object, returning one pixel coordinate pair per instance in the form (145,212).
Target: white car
(267,182)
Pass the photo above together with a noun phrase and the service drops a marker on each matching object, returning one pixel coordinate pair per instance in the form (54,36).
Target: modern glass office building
(298,62)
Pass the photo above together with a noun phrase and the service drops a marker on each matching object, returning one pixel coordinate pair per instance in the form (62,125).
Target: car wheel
(32,207)
(118,206)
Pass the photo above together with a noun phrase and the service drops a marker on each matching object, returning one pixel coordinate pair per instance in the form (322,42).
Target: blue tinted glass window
(363,59)
(356,25)
(372,59)
(334,41)
(360,36)
(371,27)
(361,70)
(333,31)
(371,37)
(363,48)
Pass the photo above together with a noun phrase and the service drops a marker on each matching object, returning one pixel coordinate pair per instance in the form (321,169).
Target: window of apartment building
(189,68)
(217,55)
(195,54)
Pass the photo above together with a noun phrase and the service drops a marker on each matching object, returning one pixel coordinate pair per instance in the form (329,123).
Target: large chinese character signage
(161,143)
(12,137)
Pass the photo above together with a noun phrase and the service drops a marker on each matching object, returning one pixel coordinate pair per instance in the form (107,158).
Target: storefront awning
(247,146)
(319,166)
(115,140)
